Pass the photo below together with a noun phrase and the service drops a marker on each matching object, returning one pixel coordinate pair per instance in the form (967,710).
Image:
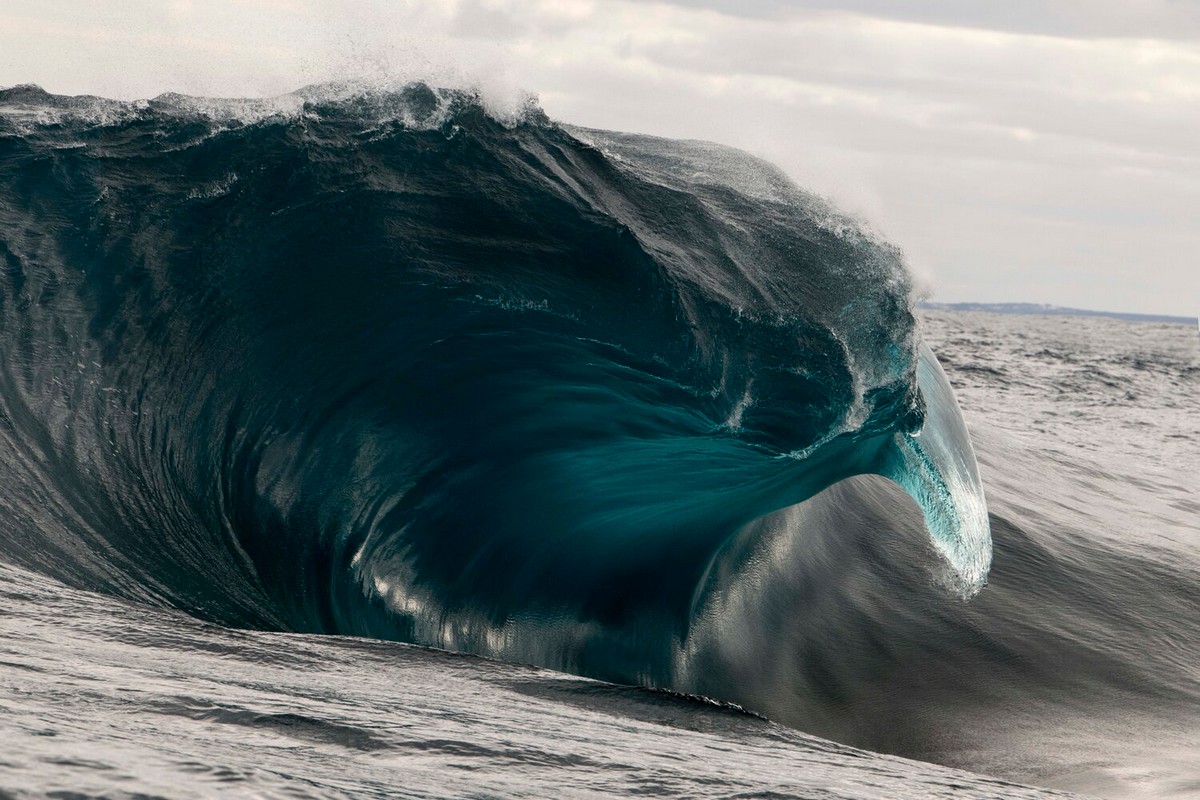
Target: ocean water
(1087,432)
(110,699)
(295,387)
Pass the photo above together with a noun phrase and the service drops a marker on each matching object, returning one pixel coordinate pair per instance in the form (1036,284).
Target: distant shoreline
(1055,311)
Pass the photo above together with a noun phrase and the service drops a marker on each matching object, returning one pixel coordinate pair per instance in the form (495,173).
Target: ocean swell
(383,364)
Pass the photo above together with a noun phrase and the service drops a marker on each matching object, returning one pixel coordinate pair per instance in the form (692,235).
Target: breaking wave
(382,363)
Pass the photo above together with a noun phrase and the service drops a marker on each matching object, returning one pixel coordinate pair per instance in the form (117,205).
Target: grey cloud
(1159,19)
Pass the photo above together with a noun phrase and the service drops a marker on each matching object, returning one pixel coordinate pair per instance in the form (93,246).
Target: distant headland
(1058,311)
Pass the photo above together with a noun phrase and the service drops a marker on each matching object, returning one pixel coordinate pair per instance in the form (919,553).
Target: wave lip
(937,467)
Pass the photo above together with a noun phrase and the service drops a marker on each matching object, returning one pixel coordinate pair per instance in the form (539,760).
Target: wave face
(383,364)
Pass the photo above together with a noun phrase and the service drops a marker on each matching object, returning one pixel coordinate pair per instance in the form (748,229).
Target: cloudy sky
(1036,150)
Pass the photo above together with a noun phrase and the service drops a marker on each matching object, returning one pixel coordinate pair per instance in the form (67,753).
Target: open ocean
(370,444)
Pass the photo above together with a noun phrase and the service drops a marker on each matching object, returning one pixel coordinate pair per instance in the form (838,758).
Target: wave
(380,363)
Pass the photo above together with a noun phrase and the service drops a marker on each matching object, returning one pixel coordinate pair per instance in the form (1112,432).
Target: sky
(1028,150)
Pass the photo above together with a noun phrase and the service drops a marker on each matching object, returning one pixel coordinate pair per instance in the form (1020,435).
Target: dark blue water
(383,365)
